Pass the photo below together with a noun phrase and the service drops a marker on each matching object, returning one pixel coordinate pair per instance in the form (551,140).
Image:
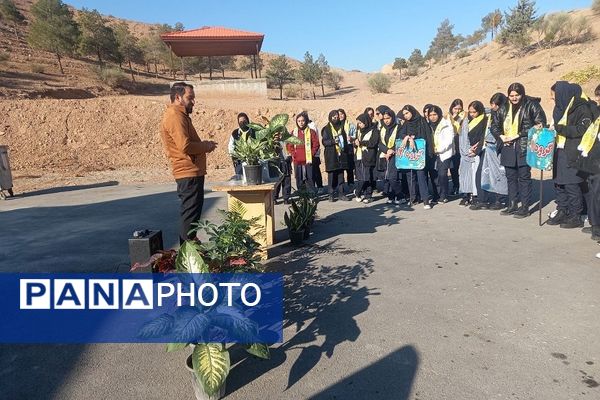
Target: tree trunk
(60,64)
(314,94)
(155,69)
(131,70)
(223,71)
(99,57)
(280,92)
(322,89)
(210,68)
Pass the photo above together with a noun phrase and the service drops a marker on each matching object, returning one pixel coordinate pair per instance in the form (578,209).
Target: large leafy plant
(230,248)
(302,211)
(267,140)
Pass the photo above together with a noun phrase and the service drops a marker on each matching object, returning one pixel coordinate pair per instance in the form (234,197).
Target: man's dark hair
(178,88)
(597,91)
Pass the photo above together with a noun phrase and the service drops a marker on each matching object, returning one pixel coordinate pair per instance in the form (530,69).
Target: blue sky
(351,34)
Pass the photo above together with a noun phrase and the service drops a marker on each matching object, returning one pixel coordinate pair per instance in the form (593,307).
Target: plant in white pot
(265,147)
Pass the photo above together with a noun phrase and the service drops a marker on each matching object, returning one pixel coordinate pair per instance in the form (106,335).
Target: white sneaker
(427,207)
(397,202)
(358,199)
(389,201)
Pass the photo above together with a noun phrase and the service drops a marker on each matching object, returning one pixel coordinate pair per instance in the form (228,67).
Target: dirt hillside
(108,136)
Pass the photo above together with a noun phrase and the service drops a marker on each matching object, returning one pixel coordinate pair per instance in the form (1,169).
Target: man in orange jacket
(187,154)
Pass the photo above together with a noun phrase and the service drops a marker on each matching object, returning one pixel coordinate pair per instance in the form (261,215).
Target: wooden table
(258,202)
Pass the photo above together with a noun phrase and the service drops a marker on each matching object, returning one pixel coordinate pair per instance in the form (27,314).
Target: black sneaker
(522,212)
(496,206)
(558,218)
(572,222)
(331,198)
(511,209)
(596,232)
(476,206)
(464,202)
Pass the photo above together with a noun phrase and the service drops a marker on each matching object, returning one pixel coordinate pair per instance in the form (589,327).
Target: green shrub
(380,83)
(113,77)
(583,75)
(596,6)
(291,91)
(37,68)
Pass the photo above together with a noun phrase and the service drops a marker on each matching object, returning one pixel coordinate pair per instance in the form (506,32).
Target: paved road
(382,303)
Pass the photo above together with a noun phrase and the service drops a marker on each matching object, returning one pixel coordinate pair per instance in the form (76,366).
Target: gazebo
(210,41)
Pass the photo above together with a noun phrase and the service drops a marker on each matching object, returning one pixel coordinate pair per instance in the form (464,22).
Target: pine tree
(97,37)
(279,73)
(518,23)
(53,29)
(309,71)
(400,64)
(128,47)
(322,71)
(492,22)
(9,11)
(444,43)
(416,58)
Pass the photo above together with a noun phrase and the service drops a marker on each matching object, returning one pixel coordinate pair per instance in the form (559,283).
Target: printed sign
(540,148)
(407,158)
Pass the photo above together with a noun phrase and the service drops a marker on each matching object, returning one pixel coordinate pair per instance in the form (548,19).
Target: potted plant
(230,248)
(264,149)
(295,224)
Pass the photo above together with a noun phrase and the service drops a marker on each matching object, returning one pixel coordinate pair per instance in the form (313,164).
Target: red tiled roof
(213,41)
(213,32)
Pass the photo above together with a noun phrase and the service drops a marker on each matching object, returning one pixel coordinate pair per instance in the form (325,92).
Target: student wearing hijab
(416,127)
(572,116)
(456,115)
(303,154)
(523,113)
(242,132)
(491,200)
(443,147)
(350,130)
(471,139)
(336,152)
(316,165)
(370,112)
(426,109)
(365,153)
(387,160)
(381,162)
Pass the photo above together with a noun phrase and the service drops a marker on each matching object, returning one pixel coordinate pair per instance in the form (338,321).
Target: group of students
(464,143)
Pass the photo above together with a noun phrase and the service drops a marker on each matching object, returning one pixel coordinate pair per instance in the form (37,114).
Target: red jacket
(297,151)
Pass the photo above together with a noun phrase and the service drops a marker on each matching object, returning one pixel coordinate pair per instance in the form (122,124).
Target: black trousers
(304,175)
(191,194)
(454,166)
(442,177)
(237,167)
(593,200)
(316,172)
(569,198)
(418,177)
(365,180)
(519,184)
(336,182)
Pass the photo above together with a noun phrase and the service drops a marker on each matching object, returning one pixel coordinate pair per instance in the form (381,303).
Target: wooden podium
(258,202)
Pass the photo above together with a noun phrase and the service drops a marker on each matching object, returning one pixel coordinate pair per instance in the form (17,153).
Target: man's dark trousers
(191,194)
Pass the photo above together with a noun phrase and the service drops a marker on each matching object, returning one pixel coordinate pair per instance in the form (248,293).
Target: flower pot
(306,232)
(198,389)
(296,237)
(253,174)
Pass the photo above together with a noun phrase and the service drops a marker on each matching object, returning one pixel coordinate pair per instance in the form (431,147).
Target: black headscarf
(240,115)
(381,109)
(439,112)
(563,93)
(477,134)
(392,114)
(519,88)
(416,117)
(341,110)
(333,113)
(366,120)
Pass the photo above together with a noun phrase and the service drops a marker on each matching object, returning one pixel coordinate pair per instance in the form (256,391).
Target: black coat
(369,156)
(497,125)
(515,153)
(333,160)
(579,119)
